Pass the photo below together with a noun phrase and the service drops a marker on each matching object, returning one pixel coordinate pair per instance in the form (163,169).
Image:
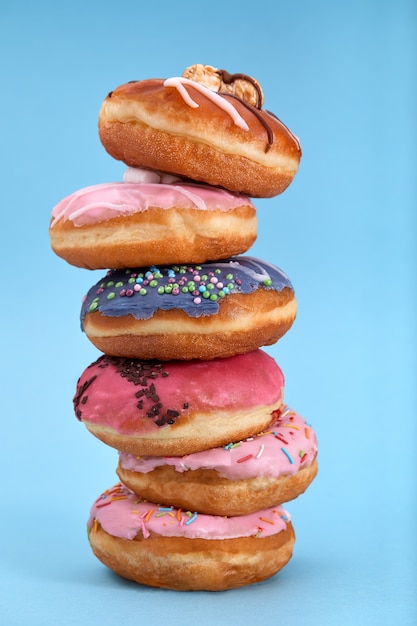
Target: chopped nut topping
(244,87)
(205,75)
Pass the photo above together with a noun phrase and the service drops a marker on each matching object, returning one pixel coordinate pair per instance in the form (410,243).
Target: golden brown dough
(244,323)
(205,491)
(201,430)
(193,564)
(156,236)
(149,124)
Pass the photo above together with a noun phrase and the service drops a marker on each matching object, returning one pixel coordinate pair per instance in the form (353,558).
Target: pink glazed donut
(178,407)
(151,218)
(270,468)
(169,548)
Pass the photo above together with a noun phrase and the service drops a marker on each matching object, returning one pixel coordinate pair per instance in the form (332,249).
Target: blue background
(342,76)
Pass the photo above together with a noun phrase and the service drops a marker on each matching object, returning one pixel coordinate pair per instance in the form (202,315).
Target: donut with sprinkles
(270,467)
(173,407)
(207,311)
(170,548)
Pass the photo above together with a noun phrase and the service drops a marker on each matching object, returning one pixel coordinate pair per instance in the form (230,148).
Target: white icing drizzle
(199,202)
(258,276)
(273,267)
(179,83)
(67,212)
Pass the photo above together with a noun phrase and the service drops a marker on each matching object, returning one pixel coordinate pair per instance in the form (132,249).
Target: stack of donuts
(207,450)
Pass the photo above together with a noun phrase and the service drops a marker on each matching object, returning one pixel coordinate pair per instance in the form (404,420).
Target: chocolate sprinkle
(139,373)
(79,398)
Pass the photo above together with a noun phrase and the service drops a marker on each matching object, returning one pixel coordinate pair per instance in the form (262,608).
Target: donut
(183,550)
(270,468)
(186,312)
(144,220)
(207,133)
(178,407)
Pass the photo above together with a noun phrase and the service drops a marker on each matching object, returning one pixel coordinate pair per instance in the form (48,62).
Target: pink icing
(98,203)
(286,447)
(122,514)
(106,397)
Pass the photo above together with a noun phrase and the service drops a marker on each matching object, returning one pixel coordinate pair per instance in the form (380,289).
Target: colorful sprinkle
(281,438)
(181,282)
(288,455)
(104,503)
(147,516)
(245,458)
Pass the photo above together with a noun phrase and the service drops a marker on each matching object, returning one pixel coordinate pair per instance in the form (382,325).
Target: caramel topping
(240,85)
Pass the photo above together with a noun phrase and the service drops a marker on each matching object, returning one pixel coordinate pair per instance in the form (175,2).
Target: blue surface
(343,78)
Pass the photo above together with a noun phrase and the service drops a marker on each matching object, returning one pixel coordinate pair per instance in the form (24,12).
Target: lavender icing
(195,289)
